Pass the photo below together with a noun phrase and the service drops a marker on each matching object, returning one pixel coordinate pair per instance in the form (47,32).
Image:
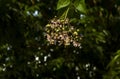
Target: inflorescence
(60,32)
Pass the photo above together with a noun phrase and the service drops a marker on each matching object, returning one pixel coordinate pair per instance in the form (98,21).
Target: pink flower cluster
(60,32)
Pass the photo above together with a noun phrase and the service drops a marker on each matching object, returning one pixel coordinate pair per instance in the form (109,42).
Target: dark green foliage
(88,46)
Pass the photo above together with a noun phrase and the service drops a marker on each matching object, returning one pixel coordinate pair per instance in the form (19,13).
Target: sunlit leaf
(62,3)
(80,5)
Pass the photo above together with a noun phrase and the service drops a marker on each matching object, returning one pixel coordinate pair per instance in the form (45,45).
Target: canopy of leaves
(59,39)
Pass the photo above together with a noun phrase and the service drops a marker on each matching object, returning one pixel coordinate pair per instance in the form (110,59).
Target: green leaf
(113,61)
(62,4)
(58,62)
(80,5)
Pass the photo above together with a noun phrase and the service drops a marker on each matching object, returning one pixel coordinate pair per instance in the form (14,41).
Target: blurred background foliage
(88,46)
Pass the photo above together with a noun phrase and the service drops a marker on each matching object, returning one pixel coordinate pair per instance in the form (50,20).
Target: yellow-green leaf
(80,5)
(62,3)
